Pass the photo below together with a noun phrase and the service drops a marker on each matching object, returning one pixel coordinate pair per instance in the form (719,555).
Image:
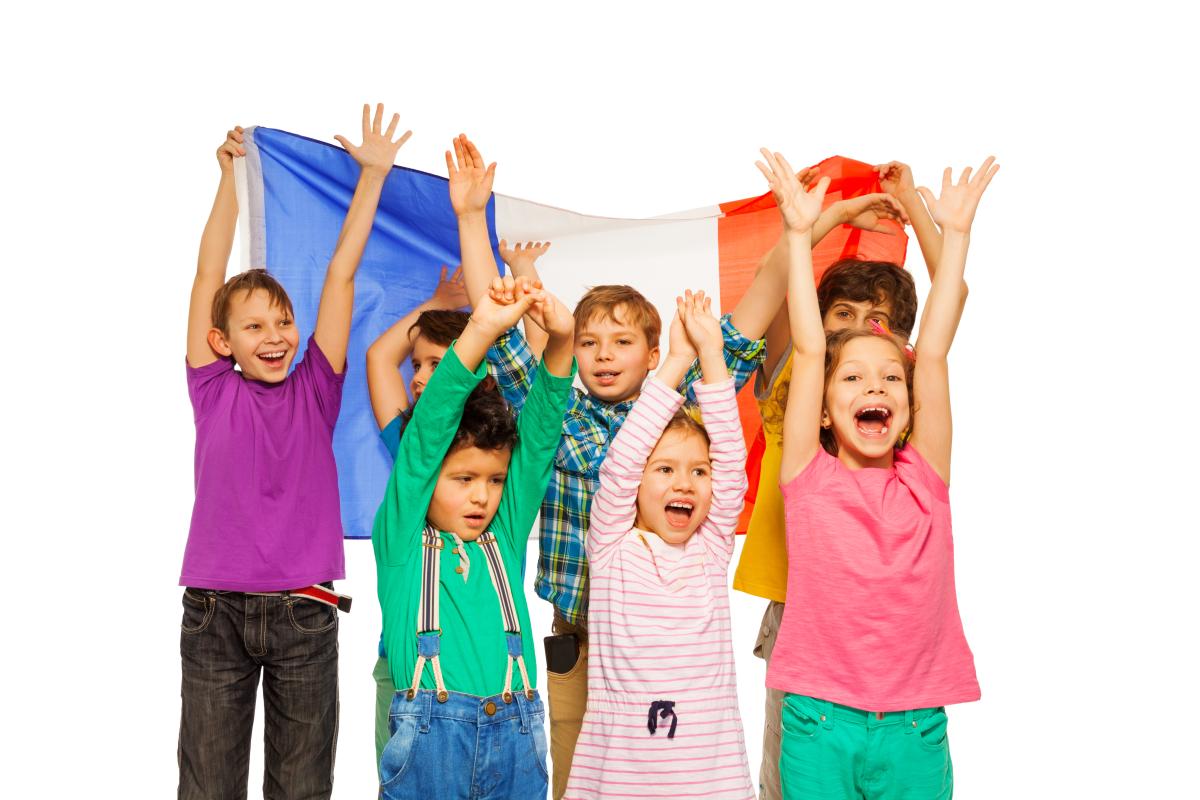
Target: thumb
(926,195)
(344,143)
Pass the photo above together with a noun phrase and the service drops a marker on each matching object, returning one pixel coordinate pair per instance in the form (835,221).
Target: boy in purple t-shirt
(266,525)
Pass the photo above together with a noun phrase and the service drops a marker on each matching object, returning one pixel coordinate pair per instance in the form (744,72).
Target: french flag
(293,193)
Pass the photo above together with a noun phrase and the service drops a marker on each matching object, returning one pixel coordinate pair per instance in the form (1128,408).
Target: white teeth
(884,429)
(686,506)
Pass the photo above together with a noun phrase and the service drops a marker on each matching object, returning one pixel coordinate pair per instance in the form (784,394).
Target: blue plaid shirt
(588,427)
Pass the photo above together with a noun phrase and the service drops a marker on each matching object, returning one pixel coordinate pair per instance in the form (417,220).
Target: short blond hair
(605,301)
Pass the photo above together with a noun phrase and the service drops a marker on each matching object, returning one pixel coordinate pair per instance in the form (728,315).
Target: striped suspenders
(429,632)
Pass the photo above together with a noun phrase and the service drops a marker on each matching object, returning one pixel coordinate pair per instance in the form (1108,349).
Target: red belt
(322,595)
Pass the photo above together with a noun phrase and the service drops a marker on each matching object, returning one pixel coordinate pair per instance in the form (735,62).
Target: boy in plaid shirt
(616,345)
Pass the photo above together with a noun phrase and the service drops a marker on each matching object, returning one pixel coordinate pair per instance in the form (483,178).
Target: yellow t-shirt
(762,569)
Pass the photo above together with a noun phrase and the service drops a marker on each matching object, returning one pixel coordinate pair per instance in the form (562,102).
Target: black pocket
(198,611)
(310,616)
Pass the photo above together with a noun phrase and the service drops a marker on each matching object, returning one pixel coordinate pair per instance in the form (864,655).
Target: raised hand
(870,210)
(799,207)
(550,314)
(954,210)
(450,293)
(377,153)
(526,253)
(895,178)
(507,300)
(230,149)
(470,180)
(679,345)
(703,329)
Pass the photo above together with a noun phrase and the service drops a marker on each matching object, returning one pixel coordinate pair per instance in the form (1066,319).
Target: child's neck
(857,461)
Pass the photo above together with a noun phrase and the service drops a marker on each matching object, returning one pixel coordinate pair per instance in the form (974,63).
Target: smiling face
(614,356)
(426,355)
(468,491)
(676,490)
(867,401)
(262,336)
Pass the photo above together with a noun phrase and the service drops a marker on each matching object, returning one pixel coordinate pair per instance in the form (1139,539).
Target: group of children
(638,483)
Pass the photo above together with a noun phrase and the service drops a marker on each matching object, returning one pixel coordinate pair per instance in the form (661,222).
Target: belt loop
(425,698)
(910,724)
(524,711)
(827,713)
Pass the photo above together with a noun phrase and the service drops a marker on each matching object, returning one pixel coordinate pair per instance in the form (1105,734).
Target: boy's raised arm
(521,261)
(389,396)
(802,417)
(470,190)
(954,211)
(375,156)
(215,246)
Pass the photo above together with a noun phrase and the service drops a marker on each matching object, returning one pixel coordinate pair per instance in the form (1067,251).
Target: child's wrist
(472,215)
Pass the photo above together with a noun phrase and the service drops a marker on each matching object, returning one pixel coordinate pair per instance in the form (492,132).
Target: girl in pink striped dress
(662,713)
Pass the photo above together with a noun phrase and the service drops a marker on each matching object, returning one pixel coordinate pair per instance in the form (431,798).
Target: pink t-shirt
(267,515)
(872,618)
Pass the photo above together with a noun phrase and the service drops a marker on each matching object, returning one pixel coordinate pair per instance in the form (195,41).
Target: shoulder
(822,470)
(911,467)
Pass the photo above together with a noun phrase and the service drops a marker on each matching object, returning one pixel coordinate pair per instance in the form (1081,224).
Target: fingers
(450,170)
(366,121)
(986,170)
(377,123)
(457,277)
(442,279)
(473,152)
(460,153)
(807,176)
(402,140)
(345,143)
(947,177)
(818,191)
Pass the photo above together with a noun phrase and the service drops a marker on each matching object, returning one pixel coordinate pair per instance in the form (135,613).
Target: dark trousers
(227,639)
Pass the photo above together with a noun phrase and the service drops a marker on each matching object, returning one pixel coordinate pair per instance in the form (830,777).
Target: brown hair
(439,327)
(879,282)
(604,302)
(249,281)
(487,421)
(835,343)
(688,420)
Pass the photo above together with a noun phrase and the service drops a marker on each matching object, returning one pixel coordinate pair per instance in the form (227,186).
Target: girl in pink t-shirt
(871,647)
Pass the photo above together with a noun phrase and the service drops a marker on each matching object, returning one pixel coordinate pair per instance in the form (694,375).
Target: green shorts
(833,752)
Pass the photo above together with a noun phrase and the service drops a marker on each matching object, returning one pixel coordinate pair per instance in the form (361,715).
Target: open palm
(954,210)
(470,179)
(377,153)
(800,208)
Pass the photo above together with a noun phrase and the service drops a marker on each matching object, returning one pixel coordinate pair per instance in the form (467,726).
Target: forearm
(830,218)
(478,261)
(389,396)
(216,243)
(535,337)
(929,238)
(559,356)
(943,307)
(356,229)
(804,314)
(712,366)
(673,369)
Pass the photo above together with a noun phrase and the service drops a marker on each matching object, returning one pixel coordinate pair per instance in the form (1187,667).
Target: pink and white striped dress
(658,624)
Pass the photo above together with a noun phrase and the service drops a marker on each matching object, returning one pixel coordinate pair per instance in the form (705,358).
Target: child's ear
(826,422)
(652,362)
(216,340)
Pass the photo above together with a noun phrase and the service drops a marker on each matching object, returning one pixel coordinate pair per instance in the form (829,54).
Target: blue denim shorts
(468,747)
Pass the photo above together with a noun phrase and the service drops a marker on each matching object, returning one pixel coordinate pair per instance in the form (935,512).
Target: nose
(603,352)
(479,493)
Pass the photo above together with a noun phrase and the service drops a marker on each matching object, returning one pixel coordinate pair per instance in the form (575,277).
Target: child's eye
(699,472)
(497,481)
(893,378)
(433,364)
(586,343)
(664,470)
(844,314)
(285,322)
(850,378)
(253,326)
(625,341)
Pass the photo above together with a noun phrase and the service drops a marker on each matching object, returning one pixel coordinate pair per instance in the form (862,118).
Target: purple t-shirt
(267,515)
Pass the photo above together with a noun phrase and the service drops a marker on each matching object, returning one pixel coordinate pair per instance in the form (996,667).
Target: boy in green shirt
(450,540)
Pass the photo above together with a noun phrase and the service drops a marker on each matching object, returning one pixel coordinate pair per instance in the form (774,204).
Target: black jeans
(227,639)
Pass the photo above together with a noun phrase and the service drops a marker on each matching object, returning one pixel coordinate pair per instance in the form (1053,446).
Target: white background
(1074,375)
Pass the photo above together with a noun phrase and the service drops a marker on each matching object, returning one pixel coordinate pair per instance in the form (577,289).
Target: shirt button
(458,570)
(489,708)
(455,551)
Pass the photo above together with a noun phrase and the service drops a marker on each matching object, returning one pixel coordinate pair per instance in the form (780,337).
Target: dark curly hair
(876,282)
(439,327)
(487,421)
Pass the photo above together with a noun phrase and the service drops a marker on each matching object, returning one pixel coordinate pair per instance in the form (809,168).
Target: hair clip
(911,352)
(879,328)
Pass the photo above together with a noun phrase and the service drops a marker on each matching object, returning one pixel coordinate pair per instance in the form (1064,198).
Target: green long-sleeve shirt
(473,647)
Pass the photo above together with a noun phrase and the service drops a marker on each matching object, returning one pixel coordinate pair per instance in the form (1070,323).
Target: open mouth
(679,513)
(475,520)
(873,420)
(606,377)
(274,358)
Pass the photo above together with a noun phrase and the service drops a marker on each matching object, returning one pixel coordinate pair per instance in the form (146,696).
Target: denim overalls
(452,746)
